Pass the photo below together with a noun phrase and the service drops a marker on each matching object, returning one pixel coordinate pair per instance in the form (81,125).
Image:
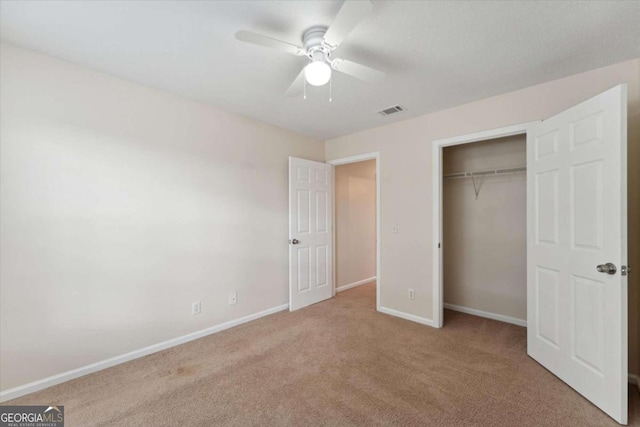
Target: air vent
(391,110)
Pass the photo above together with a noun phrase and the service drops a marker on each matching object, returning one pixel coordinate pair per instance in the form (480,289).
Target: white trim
(438,144)
(354,159)
(406,316)
(487,314)
(354,284)
(38,385)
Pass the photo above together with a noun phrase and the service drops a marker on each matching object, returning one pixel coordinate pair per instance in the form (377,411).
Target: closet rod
(490,172)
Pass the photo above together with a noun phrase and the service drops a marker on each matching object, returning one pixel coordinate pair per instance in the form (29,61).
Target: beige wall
(485,239)
(405,168)
(120,206)
(355,185)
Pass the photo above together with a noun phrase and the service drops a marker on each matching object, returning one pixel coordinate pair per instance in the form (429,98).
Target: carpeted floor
(338,362)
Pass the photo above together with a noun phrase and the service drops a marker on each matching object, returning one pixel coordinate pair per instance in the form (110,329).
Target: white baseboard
(406,316)
(354,284)
(488,315)
(34,386)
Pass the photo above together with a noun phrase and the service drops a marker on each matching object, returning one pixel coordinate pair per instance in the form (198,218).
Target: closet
(484,228)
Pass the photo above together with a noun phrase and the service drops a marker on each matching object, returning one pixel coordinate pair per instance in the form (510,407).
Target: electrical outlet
(412,294)
(196,307)
(395,229)
(233,298)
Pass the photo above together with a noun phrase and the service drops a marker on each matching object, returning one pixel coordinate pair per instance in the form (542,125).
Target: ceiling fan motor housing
(313,43)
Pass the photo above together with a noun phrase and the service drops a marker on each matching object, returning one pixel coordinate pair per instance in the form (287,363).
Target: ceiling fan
(318,43)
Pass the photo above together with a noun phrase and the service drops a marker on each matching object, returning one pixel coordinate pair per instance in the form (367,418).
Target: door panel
(576,186)
(311,227)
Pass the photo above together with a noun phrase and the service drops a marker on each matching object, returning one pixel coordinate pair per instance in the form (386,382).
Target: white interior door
(310,232)
(577,220)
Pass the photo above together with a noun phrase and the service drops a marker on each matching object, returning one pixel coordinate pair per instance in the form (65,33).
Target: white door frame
(355,159)
(438,144)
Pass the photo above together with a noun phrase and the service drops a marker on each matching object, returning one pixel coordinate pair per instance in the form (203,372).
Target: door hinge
(624,270)
(438,245)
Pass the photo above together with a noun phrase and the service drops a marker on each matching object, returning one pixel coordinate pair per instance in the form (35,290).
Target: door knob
(294,241)
(606,268)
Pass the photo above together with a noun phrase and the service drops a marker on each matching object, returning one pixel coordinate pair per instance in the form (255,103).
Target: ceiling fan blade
(350,15)
(358,71)
(259,39)
(296,87)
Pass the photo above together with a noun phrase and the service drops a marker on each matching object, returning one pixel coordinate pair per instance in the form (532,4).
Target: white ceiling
(436,54)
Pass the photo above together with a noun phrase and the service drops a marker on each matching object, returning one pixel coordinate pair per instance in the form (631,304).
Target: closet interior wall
(485,238)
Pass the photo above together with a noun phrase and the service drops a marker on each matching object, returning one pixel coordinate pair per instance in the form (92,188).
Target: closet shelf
(481,174)
(504,171)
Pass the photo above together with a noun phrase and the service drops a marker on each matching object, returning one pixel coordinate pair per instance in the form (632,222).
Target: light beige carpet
(335,363)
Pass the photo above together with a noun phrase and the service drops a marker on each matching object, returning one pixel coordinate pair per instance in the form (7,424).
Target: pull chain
(305,89)
(330,89)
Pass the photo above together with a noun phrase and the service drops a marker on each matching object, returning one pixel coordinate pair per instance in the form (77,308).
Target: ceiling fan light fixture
(317,73)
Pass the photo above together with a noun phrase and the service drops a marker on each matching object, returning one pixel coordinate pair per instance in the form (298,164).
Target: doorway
(357,222)
(438,214)
(485,220)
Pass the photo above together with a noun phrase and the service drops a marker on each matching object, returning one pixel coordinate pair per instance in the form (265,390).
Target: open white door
(310,232)
(577,224)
